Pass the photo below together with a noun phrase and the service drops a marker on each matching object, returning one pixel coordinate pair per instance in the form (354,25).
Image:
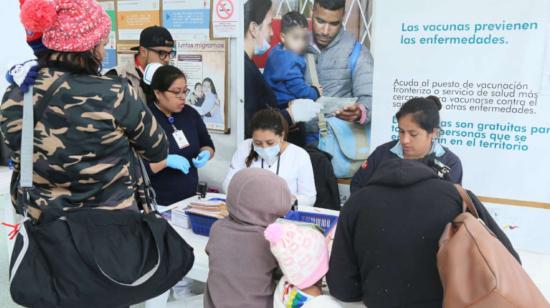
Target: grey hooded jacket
(240,260)
(335,75)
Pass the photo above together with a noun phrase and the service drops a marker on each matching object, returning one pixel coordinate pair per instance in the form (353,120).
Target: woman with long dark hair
(268,149)
(211,109)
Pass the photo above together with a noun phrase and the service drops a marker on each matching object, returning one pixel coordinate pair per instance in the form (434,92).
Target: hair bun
(38,15)
(436,100)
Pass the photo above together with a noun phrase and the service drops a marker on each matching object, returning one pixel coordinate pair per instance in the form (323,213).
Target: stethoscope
(278,163)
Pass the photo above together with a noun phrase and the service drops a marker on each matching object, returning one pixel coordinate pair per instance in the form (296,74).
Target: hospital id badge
(180,138)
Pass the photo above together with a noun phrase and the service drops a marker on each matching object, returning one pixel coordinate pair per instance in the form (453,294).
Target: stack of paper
(215,208)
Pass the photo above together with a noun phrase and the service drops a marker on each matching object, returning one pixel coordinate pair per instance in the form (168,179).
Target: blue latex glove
(178,162)
(201,160)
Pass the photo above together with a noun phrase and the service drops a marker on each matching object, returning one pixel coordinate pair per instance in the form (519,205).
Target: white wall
(214,173)
(14,47)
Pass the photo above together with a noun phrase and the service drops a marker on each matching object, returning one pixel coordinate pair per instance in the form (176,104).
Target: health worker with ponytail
(268,149)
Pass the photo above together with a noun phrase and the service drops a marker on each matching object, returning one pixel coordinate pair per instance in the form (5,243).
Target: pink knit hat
(67,25)
(301,251)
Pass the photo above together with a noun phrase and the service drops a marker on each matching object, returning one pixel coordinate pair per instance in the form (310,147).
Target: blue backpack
(348,143)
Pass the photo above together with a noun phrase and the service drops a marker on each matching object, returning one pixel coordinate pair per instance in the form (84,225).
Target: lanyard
(170,119)
(278,163)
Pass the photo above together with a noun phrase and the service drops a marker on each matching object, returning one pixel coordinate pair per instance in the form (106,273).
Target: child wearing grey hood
(240,261)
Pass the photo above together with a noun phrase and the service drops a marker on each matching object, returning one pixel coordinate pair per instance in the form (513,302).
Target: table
(199,271)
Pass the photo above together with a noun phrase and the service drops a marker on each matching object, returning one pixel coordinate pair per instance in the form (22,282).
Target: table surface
(199,271)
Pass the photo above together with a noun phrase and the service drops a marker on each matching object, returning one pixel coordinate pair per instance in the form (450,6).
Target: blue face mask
(268,154)
(260,50)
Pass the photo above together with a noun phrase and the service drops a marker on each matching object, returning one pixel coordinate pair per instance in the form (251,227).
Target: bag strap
(312,69)
(150,194)
(27,142)
(27,133)
(27,148)
(354,56)
(467,204)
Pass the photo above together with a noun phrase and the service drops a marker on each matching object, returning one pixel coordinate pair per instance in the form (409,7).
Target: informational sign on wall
(489,65)
(110,60)
(225,18)
(187,19)
(205,64)
(125,58)
(134,16)
(485,62)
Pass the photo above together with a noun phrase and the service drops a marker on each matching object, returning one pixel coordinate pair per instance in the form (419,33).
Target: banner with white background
(489,62)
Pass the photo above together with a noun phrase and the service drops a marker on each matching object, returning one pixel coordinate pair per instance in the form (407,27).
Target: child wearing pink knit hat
(303,255)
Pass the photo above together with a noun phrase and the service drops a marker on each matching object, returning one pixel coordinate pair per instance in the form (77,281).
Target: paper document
(333,104)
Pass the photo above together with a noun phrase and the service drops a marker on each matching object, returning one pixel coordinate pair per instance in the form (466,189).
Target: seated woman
(418,121)
(268,150)
(386,241)
(241,266)
(191,147)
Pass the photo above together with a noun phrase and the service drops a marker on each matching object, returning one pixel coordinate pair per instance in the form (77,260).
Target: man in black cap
(155,46)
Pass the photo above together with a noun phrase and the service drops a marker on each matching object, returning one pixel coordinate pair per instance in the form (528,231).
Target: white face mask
(268,154)
(264,44)
(260,50)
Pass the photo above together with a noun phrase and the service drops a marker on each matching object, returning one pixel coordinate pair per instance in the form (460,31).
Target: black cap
(155,36)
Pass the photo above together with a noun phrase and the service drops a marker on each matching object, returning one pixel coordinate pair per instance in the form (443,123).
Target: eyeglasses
(180,94)
(164,54)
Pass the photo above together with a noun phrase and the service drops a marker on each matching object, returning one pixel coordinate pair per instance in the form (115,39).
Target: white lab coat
(295,167)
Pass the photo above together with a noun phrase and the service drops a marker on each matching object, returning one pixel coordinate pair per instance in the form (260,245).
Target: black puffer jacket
(384,253)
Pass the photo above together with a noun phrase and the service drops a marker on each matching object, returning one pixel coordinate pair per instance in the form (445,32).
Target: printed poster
(486,62)
(110,60)
(134,16)
(204,63)
(489,65)
(187,19)
(125,58)
(225,19)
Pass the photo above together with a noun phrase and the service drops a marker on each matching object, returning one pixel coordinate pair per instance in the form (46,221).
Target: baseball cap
(155,36)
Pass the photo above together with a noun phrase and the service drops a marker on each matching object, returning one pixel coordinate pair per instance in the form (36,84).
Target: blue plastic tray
(326,222)
(201,224)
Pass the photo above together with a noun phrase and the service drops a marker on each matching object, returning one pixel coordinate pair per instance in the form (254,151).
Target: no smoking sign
(224,9)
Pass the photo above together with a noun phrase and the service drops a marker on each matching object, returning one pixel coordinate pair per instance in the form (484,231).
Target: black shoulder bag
(90,257)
